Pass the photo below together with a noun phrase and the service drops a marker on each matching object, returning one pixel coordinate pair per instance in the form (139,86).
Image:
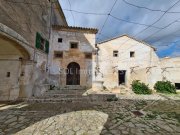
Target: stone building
(38,49)
(123,59)
(25,28)
(71,55)
(120,57)
(112,63)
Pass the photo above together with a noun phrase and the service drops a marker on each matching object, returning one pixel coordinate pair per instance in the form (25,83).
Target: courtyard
(122,117)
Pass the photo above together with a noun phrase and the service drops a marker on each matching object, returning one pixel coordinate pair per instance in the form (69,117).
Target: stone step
(65,91)
(61,95)
(72,87)
(89,98)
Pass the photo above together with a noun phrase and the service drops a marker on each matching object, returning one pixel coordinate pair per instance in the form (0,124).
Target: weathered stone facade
(22,64)
(114,63)
(85,40)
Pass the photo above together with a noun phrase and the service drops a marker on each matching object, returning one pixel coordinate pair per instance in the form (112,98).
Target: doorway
(73,74)
(122,77)
(177,85)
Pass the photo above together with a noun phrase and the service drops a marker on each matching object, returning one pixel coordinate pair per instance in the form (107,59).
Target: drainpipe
(97,60)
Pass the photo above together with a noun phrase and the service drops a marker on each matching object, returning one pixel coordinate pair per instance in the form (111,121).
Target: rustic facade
(124,59)
(25,28)
(71,55)
(38,49)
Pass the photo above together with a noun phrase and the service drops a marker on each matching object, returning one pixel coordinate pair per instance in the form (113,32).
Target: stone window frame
(75,42)
(58,54)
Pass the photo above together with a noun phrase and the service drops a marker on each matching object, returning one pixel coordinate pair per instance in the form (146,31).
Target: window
(88,56)
(115,53)
(73,45)
(59,40)
(132,54)
(58,54)
(8,74)
(41,43)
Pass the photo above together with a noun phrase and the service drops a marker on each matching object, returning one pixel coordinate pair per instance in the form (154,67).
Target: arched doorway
(12,67)
(73,74)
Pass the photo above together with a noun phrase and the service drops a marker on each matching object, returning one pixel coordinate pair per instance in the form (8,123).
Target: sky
(156,22)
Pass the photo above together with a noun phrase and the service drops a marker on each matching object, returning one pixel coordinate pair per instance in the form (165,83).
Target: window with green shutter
(41,43)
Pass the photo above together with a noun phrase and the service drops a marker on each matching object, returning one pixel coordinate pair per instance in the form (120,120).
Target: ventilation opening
(8,74)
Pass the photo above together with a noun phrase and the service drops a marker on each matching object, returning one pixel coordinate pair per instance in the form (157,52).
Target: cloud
(122,10)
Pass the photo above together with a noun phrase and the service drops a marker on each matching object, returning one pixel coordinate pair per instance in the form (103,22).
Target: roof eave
(61,12)
(71,28)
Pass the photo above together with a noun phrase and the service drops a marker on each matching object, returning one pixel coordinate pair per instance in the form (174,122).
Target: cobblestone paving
(106,118)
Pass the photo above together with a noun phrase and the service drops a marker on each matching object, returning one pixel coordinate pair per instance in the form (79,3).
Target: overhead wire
(142,7)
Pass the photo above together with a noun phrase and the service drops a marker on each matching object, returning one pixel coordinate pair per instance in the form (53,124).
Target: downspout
(97,59)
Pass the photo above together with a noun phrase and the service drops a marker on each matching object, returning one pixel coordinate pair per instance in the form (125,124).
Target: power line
(159,18)
(103,14)
(86,13)
(162,29)
(72,12)
(108,16)
(156,10)
(91,13)
(133,22)
(153,22)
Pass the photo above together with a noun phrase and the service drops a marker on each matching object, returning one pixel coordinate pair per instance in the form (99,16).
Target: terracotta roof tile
(72,28)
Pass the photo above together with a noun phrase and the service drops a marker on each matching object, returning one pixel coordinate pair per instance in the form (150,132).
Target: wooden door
(122,75)
(73,74)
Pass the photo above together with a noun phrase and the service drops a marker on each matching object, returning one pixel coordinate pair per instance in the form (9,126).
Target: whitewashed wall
(145,56)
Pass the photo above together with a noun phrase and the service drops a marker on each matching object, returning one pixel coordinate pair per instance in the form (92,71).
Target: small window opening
(115,53)
(8,74)
(59,40)
(132,54)
(74,45)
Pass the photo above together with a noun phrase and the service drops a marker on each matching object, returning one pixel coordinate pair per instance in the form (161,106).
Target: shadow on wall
(11,67)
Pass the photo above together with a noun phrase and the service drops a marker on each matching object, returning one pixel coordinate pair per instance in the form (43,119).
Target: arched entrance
(73,74)
(12,67)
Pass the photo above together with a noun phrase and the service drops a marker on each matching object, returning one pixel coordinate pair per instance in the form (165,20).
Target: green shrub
(165,87)
(140,88)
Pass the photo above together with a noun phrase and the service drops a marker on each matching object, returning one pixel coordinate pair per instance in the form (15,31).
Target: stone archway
(73,74)
(12,67)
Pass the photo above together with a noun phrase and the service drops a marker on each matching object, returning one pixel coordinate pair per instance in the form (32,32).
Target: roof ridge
(140,41)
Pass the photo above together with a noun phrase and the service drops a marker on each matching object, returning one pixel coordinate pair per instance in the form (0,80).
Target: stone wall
(109,66)
(19,23)
(168,70)
(86,44)
(28,17)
